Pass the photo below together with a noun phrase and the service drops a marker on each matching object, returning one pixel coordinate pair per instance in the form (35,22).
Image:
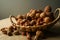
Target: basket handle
(58,9)
(54,21)
(13,23)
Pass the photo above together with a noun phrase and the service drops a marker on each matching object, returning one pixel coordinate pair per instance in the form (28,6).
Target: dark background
(15,7)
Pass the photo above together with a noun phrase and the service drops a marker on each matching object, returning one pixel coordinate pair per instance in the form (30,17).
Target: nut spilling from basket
(28,23)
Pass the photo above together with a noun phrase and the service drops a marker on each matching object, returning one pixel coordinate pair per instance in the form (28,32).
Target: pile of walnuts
(32,18)
(35,17)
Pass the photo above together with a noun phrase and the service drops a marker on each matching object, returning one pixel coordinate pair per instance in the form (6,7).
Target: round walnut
(32,14)
(31,10)
(11,29)
(33,22)
(28,36)
(42,15)
(47,8)
(49,14)
(18,21)
(26,23)
(37,15)
(28,14)
(47,20)
(9,33)
(4,30)
(16,32)
(39,21)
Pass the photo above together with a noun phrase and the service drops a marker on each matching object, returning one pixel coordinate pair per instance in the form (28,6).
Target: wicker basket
(31,28)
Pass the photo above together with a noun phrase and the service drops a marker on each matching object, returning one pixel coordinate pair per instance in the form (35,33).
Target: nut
(39,20)
(32,22)
(9,33)
(16,32)
(32,14)
(37,15)
(26,24)
(4,31)
(47,8)
(42,15)
(49,14)
(29,18)
(28,36)
(31,10)
(11,28)
(47,20)
(38,34)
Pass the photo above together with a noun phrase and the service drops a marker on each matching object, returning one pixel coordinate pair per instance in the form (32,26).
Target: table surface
(6,23)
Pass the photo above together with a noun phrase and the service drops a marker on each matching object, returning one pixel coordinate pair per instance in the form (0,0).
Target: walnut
(37,15)
(26,23)
(28,36)
(32,14)
(31,10)
(23,21)
(42,15)
(16,32)
(47,8)
(32,22)
(28,14)
(4,30)
(11,28)
(39,21)
(38,34)
(9,33)
(29,18)
(47,20)
(18,21)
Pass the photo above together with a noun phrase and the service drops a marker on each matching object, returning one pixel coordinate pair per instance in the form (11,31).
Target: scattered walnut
(16,32)
(9,33)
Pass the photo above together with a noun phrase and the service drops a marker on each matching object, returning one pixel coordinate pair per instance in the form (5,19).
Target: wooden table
(6,23)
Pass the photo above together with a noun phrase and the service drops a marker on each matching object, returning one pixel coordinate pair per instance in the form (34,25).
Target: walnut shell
(32,22)
(42,15)
(28,36)
(47,20)
(32,14)
(37,15)
(47,8)
(18,21)
(9,33)
(11,28)
(39,33)
(4,31)
(16,32)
